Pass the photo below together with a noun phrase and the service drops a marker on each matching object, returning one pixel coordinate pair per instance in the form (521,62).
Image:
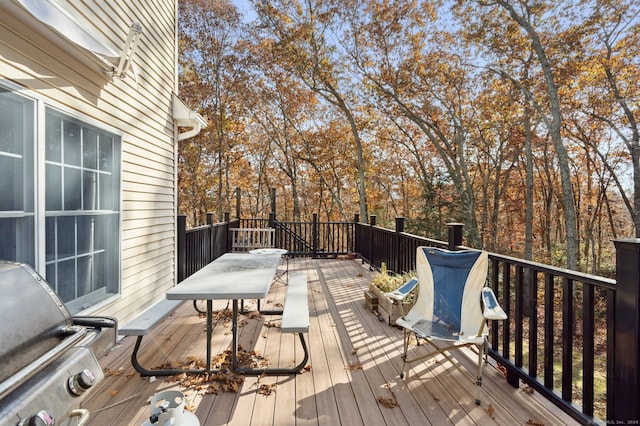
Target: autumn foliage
(517,118)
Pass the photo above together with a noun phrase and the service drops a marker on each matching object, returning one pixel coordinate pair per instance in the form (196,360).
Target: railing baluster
(588,333)
(519,316)
(495,276)
(567,338)
(533,322)
(548,329)
(506,303)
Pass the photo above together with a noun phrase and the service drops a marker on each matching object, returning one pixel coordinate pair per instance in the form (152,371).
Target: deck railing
(315,238)
(200,246)
(572,337)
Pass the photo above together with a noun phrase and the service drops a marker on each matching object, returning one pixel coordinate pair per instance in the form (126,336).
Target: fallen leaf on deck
(354,367)
(307,368)
(221,380)
(388,402)
(491,411)
(502,369)
(108,372)
(113,393)
(527,389)
(267,390)
(534,423)
(253,315)
(278,305)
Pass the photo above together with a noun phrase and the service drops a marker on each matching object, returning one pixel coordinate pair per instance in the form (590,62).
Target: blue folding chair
(452,304)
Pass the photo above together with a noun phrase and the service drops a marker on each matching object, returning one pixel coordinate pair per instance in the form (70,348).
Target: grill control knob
(79,383)
(41,418)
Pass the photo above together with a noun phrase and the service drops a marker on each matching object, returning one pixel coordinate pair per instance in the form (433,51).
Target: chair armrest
(492,309)
(400,293)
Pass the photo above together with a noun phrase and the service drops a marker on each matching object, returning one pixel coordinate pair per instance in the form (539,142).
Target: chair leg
(482,352)
(406,338)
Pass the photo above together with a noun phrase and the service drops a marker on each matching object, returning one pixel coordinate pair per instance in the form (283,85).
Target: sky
(245,8)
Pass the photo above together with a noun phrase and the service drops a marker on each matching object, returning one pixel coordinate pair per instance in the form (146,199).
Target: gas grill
(47,357)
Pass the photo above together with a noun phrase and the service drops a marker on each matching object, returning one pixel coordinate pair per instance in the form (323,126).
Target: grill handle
(96,322)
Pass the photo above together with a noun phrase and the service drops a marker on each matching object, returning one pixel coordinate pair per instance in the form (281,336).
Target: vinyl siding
(36,58)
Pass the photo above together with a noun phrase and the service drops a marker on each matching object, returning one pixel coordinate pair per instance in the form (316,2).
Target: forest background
(517,118)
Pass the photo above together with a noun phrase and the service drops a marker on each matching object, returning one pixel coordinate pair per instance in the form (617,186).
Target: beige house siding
(36,58)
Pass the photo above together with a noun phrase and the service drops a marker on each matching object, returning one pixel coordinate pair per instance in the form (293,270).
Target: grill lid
(34,323)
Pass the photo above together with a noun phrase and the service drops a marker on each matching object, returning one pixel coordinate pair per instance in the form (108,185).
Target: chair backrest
(450,287)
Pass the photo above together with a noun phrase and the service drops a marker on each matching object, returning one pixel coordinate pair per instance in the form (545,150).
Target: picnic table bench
(295,319)
(143,323)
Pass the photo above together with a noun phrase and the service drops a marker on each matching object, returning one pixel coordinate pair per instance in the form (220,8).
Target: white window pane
(11,184)
(53,193)
(16,235)
(72,189)
(66,280)
(89,190)
(66,237)
(90,149)
(53,136)
(71,143)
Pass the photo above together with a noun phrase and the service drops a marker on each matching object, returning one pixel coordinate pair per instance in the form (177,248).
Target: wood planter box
(389,311)
(371,301)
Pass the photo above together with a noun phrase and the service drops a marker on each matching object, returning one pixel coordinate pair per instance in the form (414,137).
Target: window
(78,203)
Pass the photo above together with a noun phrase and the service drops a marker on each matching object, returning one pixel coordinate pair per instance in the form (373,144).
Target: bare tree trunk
(554,127)
(528,195)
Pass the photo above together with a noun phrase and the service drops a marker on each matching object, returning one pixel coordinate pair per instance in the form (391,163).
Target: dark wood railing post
(227,240)
(372,223)
(314,234)
(181,258)
(276,233)
(212,241)
(455,235)
(273,201)
(353,235)
(237,203)
(398,255)
(623,390)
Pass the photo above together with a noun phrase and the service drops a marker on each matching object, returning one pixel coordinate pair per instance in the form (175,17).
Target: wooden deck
(354,369)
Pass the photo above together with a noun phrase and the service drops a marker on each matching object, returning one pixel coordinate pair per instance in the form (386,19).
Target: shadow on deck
(353,376)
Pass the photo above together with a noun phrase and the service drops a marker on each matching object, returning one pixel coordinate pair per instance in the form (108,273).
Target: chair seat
(438,330)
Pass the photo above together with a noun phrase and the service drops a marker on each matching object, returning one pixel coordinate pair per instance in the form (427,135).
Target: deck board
(354,359)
